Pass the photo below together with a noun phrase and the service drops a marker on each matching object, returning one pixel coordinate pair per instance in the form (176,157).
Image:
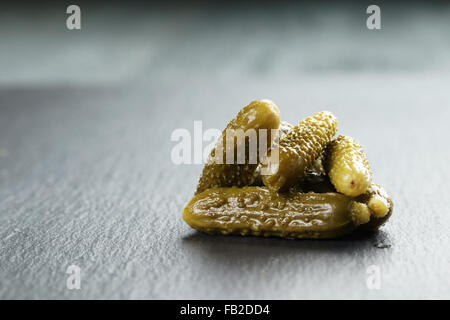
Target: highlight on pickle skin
(300,148)
(261,212)
(261,114)
(348,166)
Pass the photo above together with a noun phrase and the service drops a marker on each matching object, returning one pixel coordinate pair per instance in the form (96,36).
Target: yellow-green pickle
(347,166)
(262,212)
(380,205)
(262,114)
(299,149)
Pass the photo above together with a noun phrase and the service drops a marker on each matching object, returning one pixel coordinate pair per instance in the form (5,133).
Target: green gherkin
(347,166)
(262,114)
(360,213)
(261,212)
(380,205)
(299,149)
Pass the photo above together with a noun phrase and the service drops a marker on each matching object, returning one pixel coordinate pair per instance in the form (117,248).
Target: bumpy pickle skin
(380,205)
(299,149)
(262,114)
(360,213)
(259,211)
(347,166)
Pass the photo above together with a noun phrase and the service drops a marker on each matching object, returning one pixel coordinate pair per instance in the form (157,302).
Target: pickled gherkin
(262,212)
(218,171)
(347,166)
(360,213)
(307,186)
(299,149)
(380,205)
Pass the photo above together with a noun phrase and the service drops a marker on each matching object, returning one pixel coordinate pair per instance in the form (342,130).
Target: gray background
(86,118)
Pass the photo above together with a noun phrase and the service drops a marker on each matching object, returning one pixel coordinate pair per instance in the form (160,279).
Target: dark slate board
(85,170)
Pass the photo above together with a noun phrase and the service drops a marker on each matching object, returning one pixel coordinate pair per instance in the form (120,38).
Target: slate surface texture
(86,118)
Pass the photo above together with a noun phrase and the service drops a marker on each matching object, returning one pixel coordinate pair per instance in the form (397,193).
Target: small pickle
(360,213)
(261,212)
(380,205)
(262,114)
(347,166)
(299,149)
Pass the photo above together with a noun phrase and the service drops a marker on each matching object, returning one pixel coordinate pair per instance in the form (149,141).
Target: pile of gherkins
(319,187)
